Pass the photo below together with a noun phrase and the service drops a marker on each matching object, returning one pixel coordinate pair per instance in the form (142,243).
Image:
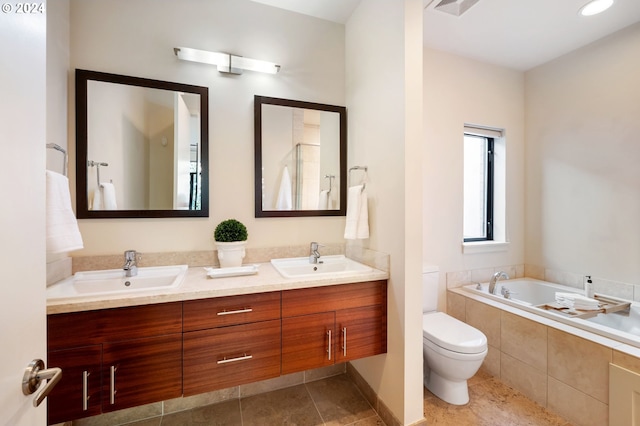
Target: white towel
(96,201)
(108,196)
(283,202)
(63,234)
(323,201)
(577,301)
(357,226)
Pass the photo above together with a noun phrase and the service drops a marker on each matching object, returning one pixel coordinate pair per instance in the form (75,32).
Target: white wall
(140,42)
(57,75)
(583,160)
(458,91)
(384,97)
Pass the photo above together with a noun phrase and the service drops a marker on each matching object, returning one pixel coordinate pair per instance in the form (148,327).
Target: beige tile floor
(491,403)
(336,401)
(332,401)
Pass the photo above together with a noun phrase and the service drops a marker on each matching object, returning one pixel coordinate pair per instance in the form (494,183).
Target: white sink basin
(327,266)
(114,281)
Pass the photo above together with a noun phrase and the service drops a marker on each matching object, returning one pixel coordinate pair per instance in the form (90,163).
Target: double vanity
(185,333)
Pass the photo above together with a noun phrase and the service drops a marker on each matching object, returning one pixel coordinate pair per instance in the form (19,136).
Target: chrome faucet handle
(315,246)
(130,255)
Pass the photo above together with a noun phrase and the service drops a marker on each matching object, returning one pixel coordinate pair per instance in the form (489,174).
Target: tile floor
(332,401)
(492,403)
(337,401)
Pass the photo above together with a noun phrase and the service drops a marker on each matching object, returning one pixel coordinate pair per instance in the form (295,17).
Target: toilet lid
(452,334)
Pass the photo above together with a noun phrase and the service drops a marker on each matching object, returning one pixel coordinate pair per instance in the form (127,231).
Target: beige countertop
(197,285)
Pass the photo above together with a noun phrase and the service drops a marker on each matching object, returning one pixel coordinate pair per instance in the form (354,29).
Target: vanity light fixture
(595,6)
(226,63)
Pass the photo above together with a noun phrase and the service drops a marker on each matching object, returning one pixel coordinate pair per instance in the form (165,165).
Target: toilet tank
(430,274)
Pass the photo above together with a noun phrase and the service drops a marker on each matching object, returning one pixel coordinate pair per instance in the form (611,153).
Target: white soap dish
(232,272)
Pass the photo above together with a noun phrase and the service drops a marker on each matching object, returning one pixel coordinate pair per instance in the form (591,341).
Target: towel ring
(364,179)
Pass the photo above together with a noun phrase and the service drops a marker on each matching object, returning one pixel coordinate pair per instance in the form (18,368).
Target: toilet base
(453,392)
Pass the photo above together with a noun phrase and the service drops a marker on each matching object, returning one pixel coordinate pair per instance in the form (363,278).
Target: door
(141,371)
(360,332)
(78,394)
(22,212)
(308,341)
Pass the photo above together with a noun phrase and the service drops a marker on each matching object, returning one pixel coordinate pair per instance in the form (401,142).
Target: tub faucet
(130,263)
(494,279)
(314,254)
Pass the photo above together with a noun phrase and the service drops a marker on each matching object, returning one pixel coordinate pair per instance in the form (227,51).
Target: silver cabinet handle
(329,347)
(226,360)
(344,341)
(112,375)
(34,374)
(85,390)
(237,311)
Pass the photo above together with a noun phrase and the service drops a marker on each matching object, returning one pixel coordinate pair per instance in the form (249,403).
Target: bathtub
(529,294)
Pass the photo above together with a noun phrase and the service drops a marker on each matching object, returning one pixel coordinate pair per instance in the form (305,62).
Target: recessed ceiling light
(594,7)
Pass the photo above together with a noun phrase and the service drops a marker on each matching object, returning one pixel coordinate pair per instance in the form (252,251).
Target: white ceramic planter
(231,254)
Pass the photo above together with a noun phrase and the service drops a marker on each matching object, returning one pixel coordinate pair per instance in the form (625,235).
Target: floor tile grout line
(314,403)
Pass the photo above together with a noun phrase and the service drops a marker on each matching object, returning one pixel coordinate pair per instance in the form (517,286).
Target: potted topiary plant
(231,238)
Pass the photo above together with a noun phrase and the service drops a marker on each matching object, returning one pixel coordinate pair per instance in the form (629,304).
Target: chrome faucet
(130,263)
(314,254)
(494,280)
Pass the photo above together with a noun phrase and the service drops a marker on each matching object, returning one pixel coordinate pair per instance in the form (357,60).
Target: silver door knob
(34,374)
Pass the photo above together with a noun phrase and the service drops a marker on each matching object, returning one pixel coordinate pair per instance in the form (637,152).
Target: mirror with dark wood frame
(141,147)
(300,158)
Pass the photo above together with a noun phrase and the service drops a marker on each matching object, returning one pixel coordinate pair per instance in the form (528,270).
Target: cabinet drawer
(332,298)
(231,310)
(113,325)
(229,356)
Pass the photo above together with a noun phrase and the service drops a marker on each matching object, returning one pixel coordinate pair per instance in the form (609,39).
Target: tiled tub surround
(560,367)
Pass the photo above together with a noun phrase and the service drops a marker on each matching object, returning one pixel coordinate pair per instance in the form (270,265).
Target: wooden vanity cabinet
(124,357)
(142,345)
(326,325)
(230,341)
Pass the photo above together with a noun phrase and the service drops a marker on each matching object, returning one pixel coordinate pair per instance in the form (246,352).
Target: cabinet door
(141,371)
(308,341)
(361,333)
(78,392)
(229,356)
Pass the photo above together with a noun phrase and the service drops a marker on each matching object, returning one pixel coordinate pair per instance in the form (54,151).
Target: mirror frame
(82,205)
(342,111)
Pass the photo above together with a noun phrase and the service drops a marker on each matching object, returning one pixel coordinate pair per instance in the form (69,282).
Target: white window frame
(500,241)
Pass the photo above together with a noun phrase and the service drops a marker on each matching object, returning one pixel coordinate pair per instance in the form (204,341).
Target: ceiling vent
(455,7)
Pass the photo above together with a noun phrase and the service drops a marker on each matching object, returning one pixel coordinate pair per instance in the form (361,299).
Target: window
(480,189)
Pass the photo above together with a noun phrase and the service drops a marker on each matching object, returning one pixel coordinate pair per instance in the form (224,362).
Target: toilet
(453,351)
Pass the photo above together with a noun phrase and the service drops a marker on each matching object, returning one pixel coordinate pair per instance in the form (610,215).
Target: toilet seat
(452,334)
